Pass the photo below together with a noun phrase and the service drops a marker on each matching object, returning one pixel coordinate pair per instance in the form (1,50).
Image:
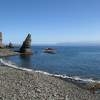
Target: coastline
(24,84)
(4,52)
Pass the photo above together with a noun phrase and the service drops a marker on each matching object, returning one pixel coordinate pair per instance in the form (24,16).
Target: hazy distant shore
(17,84)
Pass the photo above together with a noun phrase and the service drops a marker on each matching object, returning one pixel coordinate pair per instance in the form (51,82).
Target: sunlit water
(83,61)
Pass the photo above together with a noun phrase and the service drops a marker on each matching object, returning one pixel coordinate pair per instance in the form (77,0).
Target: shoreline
(71,78)
(19,75)
(4,52)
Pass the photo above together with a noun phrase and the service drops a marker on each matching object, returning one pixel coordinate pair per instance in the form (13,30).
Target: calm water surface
(83,61)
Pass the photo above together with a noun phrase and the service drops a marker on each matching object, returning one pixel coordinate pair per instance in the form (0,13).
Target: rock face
(1,45)
(26,47)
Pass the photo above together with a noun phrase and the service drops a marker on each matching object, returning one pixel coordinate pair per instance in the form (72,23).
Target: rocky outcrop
(49,50)
(10,45)
(26,46)
(1,45)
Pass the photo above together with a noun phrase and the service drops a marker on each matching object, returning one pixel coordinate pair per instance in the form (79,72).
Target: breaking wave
(76,78)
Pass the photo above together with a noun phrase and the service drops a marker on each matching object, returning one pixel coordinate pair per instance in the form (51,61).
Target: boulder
(26,46)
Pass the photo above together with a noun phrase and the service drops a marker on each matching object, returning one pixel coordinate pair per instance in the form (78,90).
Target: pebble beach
(16,84)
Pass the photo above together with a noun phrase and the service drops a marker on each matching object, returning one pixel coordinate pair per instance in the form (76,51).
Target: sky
(50,21)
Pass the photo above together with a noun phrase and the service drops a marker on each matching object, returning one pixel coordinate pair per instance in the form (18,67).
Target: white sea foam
(76,78)
(10,64)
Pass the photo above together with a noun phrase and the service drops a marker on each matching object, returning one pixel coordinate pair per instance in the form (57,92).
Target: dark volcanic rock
(26,47)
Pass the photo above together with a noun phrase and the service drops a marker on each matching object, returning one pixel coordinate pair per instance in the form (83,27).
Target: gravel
(23,85)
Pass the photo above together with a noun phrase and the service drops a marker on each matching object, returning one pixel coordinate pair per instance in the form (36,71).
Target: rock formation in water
(26,46)
(10,45)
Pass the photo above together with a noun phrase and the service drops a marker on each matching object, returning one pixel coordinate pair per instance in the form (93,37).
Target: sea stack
(1,45)
(26,46)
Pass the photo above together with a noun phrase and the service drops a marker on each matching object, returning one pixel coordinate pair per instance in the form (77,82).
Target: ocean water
(82,61)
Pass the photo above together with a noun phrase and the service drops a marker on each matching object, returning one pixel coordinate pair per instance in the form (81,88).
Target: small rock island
(49,50)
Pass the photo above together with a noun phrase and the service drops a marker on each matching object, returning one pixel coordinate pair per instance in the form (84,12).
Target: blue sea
(82,61)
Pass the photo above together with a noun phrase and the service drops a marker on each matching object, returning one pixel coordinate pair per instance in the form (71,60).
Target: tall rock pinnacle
(26,46)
